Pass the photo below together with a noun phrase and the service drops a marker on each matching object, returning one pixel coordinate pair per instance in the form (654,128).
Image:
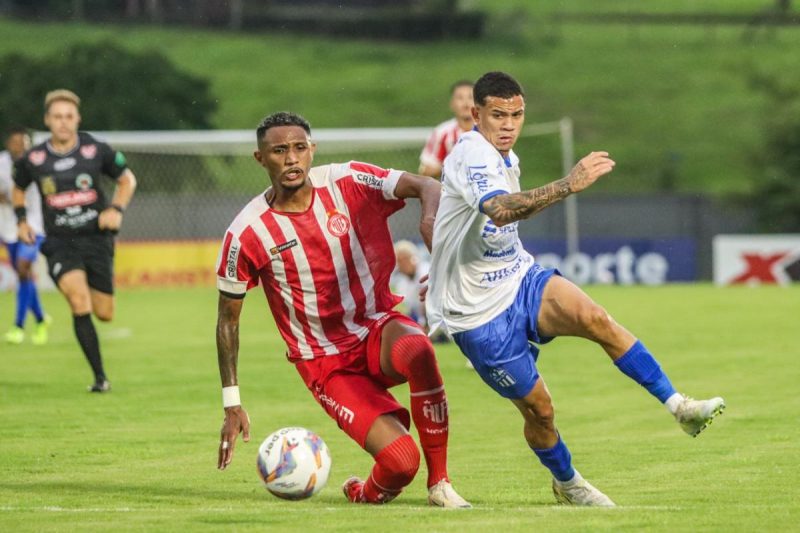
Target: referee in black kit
(79,222)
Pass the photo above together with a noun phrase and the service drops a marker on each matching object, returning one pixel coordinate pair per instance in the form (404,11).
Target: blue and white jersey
(8,221)
(476,267)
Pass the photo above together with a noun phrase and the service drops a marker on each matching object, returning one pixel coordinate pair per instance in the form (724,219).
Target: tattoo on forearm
(228,339)
(507,208)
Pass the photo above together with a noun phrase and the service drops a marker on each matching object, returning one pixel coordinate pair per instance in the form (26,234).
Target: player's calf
(395,467)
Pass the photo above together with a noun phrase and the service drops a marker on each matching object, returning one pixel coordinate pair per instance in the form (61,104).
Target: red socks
(414,359)
(395,467)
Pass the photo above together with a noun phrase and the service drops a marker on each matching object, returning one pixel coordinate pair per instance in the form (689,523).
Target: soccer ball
(294,463)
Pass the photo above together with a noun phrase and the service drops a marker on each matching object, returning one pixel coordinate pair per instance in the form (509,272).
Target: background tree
(120,89)
(776,186)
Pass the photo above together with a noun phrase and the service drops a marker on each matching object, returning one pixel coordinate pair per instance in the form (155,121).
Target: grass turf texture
(671,104)
(143,456)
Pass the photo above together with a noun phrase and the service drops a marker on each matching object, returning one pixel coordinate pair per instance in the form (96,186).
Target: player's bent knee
(401,458)
(413,355)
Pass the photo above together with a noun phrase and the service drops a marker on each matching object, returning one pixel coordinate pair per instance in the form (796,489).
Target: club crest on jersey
(338,224)
(84,182)
(37,157)
(89,151)
(275,250)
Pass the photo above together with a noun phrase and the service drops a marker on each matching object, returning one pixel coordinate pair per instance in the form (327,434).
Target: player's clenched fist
(588,170)
(236,421)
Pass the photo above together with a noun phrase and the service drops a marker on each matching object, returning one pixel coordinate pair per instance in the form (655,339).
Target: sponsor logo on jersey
(496,277)
(64,164)
(507,254)
(233,258)
(342,413)
(478,179)
(76,219)
(275,250)
(338,225)
(37,157)
(48,185)
(89,151)
(84,181)
(369,180)
(67,199)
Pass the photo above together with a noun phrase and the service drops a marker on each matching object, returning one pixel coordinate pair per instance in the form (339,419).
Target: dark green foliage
(776,190)
(120,89)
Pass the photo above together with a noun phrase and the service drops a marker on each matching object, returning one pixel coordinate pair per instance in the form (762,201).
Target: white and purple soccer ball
(294,463)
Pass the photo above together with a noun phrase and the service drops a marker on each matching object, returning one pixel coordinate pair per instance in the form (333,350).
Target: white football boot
(444,495)
(578,491)
(695,415)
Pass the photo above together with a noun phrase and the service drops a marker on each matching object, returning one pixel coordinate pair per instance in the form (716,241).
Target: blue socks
(557,459)
(23,298)
(27,298)
(639,365)
(35,305)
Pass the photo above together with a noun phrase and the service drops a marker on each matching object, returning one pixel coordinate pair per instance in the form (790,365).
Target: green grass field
(143,457)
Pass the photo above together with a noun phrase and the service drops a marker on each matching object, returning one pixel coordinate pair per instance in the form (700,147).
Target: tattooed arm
(507,208)
(236,419)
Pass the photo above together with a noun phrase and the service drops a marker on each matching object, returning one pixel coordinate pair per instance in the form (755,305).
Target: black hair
(281,118)
(15,130)
(459,84)
(497,84)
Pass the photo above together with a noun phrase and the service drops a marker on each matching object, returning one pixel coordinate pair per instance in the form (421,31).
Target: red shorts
(351,387)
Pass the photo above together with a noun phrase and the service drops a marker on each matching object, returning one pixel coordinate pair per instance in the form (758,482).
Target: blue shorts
(20,250)
(501,350)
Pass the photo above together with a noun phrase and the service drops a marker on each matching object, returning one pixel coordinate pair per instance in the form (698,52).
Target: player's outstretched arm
(507,208)
(428,191)
(236,419)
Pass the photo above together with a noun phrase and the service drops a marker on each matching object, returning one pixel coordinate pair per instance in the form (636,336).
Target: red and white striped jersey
(439,144)
(325,271)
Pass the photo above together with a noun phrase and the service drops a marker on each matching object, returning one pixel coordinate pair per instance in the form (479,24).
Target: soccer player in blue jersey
(495,300)
(22,255)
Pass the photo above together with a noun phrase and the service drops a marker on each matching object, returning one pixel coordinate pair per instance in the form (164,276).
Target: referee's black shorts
(93,253)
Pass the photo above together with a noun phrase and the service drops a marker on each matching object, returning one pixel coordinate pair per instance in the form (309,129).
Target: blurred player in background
(22,255)
(488,292)
(406,278)
(446,134)
(79,221)
(319,242)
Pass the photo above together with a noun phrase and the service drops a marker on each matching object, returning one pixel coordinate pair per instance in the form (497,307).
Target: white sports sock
(673,402)
(572,482)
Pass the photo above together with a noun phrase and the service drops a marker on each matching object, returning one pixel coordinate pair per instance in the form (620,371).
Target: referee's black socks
(87,338)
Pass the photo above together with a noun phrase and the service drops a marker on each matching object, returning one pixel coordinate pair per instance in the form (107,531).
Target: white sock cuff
(673,402)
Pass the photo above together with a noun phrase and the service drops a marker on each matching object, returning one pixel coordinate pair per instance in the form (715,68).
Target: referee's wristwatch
(118,208)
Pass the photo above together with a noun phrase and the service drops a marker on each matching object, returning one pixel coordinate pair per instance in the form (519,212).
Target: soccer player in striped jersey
(318,242)
(496,301)
(446,134)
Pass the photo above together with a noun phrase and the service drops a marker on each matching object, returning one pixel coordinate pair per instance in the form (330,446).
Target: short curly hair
(497,84)
(281,118)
